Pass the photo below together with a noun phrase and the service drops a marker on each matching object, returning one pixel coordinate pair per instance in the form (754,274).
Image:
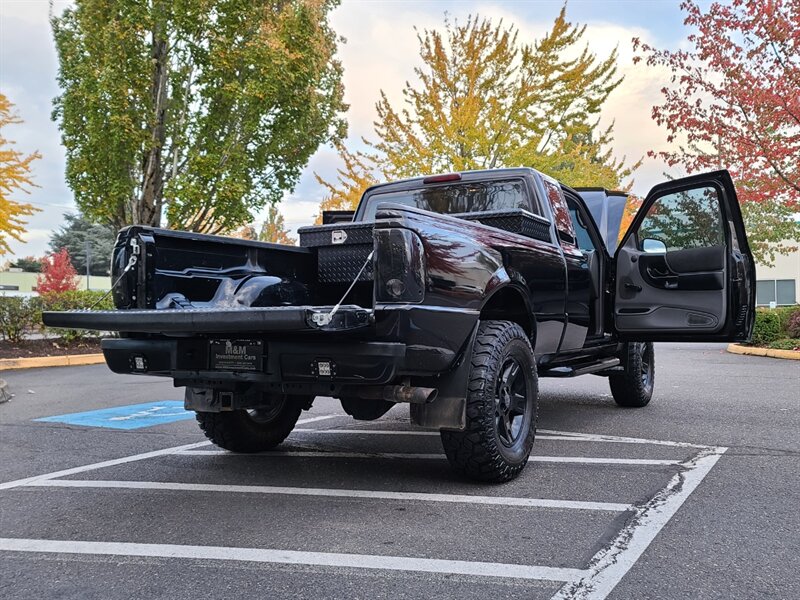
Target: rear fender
(510,301)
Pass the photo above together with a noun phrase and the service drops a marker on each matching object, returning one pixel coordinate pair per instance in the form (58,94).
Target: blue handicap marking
(132,416)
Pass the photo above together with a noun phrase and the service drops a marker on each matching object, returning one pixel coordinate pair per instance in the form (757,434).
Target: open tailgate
(214,320)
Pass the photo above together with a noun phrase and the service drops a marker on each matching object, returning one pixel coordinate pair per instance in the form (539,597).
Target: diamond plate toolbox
(342,249)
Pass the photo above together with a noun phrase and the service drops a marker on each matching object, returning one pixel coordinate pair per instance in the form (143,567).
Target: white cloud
(381,53)
(28,68)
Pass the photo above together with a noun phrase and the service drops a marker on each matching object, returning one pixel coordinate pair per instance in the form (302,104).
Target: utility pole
(88,259)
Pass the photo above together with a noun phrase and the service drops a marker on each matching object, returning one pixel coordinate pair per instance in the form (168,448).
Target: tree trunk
(150,203)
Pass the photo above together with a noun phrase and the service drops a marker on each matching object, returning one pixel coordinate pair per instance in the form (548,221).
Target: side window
(566,233)
(681,220)
(582,236)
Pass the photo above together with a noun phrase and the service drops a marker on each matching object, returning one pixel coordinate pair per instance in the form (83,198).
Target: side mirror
(651,246)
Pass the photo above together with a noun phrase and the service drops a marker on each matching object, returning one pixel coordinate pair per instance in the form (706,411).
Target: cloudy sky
(380,53)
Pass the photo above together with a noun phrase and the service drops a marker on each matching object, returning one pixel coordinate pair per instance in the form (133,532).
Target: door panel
(649,304)
(683,271)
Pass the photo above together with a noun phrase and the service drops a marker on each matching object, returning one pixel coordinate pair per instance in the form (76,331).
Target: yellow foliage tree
(272,230)
(486,100)
(357,174)
(15,175)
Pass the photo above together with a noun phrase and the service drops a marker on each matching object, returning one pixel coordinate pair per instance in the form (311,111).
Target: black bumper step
(213,320)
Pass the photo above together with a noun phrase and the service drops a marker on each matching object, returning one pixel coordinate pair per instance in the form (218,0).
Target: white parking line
(609,566)
(615,439)
(605,570)
(419,456)
(546,434)
(333,492)
(356,561)
(99,465)
(313,454)
(121,461)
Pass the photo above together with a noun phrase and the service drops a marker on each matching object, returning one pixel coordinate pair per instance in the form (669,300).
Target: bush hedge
(776,324)
(21,316)
(785,344)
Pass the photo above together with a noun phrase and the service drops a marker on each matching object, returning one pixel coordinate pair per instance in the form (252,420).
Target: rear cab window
(453,198)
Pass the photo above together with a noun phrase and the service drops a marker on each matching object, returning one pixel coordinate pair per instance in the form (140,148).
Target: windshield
(456,198)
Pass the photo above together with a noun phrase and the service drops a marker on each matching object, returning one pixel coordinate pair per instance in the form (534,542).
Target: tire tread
(474,451)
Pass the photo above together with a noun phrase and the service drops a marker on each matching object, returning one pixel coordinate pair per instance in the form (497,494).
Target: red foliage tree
(58,274)
(733,101)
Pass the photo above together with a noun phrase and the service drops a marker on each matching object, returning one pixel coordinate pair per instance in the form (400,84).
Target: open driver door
(683,270)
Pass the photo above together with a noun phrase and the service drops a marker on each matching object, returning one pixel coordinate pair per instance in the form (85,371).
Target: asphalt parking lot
(695,496)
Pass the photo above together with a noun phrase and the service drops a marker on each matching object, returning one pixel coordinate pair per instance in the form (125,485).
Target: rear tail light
(399,266)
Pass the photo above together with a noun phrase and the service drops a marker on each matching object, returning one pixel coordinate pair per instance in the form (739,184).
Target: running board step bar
(603,365)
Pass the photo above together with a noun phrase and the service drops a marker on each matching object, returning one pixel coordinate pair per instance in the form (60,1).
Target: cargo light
(441,178)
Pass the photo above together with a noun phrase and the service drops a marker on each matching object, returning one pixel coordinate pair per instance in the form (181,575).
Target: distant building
(25,283)
(780,283)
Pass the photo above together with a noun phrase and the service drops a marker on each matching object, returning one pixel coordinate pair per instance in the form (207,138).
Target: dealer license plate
(235,355)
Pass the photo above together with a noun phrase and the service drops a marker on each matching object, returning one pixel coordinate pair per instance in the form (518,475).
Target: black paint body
(422,282)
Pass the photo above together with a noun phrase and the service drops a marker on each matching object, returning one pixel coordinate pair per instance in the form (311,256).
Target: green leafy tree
(81,237)
(29,264)
(485,99)
(202,110)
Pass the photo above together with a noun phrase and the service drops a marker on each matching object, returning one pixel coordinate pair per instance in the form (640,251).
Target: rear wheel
(633,388)
(253,430)
(502,404)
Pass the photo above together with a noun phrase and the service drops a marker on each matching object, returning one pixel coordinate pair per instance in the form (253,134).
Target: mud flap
(449,410)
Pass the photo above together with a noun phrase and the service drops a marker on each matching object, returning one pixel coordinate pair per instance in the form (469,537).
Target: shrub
(784,314)
(785,344)
(72,300)
(18,315)
(58,274)
(767,327)
(793,324)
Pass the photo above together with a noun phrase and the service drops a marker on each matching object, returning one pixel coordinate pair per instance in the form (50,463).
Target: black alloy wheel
(511,403)
(501,406)
(633,387)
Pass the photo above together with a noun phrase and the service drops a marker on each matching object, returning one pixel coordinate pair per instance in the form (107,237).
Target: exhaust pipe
(398,393)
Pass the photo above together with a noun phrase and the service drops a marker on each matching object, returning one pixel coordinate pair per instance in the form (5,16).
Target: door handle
(633,286)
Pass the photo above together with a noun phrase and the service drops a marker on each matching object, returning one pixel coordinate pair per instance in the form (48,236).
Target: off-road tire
(633,388)
(243,430)
(480,452)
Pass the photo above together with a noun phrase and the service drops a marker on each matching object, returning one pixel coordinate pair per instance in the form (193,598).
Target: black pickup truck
(452,293)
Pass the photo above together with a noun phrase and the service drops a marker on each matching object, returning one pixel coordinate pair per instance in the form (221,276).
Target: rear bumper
(290,366)
(300,351)
(214,320)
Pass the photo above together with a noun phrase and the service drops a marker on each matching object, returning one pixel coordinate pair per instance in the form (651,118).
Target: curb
(68,360)
(769,352)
